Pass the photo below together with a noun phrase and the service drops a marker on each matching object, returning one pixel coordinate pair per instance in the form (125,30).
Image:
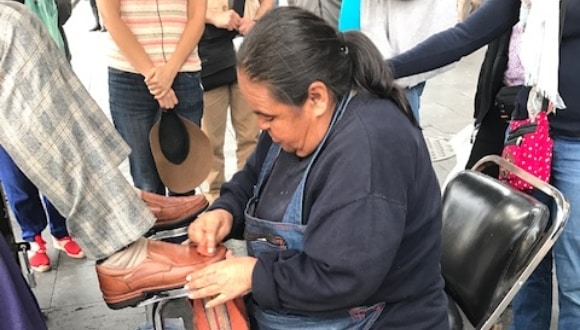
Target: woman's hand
(223,281)
(160,79)
(246,25)
(209,229)
(168,101)
(229,19)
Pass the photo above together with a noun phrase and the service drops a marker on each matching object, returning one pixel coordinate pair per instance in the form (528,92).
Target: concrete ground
(69,294)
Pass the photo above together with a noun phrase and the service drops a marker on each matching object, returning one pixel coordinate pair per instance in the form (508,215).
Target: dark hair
(290,48)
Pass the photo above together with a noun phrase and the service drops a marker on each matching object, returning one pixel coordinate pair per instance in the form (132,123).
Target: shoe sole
(134,299)
(41,269)
(74,256)
(182,222)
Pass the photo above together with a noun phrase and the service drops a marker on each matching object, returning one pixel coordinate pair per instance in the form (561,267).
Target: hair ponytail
(371,74)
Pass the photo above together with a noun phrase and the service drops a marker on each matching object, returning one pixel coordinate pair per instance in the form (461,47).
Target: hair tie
(342,41)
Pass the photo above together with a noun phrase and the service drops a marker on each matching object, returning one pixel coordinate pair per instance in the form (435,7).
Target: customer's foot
(37,257)
(69,246)
(174,211)
(96,28)
(165,267)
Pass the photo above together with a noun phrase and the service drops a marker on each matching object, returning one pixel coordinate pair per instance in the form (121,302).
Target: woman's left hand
(160,80)
(223,281)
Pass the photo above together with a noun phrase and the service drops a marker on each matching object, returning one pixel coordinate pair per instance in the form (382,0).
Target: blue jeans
(533,304)
(25,202)
(414,96)
(134,111)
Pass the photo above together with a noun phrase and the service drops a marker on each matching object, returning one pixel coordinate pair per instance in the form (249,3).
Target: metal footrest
(176,235)
(164,296)
(158,302)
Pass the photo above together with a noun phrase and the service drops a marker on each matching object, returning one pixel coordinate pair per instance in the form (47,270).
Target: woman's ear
(319,99)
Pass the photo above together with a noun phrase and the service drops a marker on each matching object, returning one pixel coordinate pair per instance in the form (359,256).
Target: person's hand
(246,25)
(168,101)
(228,19)
(160,79)
(223,281)
(209,229)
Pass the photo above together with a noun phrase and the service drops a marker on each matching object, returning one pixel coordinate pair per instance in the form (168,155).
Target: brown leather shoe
(174,211)
(165,267)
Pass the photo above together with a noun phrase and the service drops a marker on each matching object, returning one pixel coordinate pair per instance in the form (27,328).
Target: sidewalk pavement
(69,294)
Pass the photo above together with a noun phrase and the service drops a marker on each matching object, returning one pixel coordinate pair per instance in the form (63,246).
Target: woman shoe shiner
(339,203)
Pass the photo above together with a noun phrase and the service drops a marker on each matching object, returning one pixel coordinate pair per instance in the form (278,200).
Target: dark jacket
(372,207)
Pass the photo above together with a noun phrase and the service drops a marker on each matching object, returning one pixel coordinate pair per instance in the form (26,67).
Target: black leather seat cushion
(489,231)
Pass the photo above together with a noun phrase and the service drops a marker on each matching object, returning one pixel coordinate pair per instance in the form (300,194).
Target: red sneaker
(69,246)
(37,257)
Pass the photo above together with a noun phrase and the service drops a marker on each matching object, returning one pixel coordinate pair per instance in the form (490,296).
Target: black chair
(493,237)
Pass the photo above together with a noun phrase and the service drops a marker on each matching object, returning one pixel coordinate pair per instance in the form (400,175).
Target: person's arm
(487,23)
(162,79)
(265,5)
(110,10)
(229,19)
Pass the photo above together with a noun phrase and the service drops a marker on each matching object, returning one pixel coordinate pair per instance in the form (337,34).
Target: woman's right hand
(209,229)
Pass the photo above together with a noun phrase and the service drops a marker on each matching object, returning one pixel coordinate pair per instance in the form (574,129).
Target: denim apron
(263,235)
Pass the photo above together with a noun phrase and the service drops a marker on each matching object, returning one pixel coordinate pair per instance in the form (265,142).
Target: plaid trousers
(60,138)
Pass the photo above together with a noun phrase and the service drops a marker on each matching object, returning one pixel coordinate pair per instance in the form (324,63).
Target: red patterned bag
(528,146)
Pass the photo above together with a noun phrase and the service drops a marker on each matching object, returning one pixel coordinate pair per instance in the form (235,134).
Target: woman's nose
(263,124)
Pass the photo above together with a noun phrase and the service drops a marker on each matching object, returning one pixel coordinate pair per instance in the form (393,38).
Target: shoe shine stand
(155,304)
(154,308)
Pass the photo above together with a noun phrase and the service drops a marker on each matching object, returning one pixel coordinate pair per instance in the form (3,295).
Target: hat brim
(188,175)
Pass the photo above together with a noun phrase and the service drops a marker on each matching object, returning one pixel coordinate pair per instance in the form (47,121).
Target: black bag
(505,101)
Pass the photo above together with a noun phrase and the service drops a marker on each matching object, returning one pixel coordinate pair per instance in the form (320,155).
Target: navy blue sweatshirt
(489,22)
(373,215)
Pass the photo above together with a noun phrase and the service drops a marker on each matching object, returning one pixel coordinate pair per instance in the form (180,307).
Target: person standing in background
(33,216)
(327,9)
(532,306)
(95,10)
(32,212)
(153,65)
(393,25)
(219,79)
